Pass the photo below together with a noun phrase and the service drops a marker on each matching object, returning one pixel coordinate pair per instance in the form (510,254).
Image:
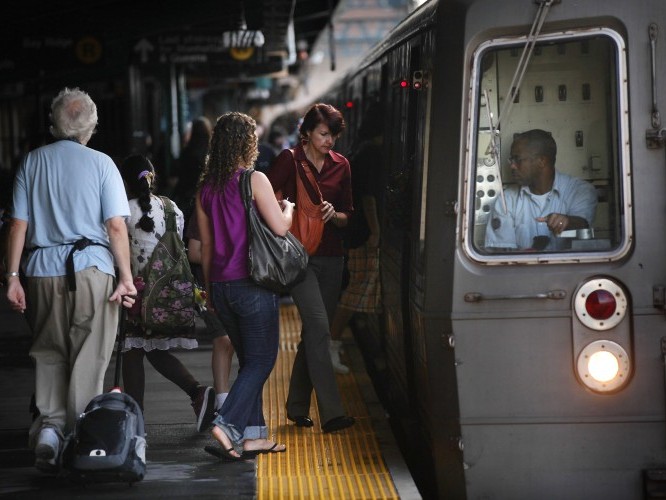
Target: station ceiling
(118,26)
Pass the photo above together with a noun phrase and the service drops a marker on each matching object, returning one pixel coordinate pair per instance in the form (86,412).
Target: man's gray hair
(74,115)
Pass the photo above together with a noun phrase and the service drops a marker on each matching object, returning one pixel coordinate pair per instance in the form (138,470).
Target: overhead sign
(197,48)
(241,54)
(41,55)
(53,52)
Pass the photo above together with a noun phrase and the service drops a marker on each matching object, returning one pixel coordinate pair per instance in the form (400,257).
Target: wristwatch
(11,275)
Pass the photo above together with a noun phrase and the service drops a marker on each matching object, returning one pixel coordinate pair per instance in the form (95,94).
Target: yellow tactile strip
(346,464)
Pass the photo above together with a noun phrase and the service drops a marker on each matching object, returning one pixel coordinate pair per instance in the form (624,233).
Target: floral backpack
(168,302)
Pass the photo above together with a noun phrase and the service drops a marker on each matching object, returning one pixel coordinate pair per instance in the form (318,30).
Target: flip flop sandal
(272,449)
(223,454)
(253,453)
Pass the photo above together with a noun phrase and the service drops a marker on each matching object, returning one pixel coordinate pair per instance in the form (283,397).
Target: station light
(404,84)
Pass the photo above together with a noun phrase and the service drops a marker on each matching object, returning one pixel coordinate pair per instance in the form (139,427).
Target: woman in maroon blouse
(316,297)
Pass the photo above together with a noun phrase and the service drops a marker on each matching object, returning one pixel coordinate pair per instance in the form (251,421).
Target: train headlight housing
(602,335)
(603,366)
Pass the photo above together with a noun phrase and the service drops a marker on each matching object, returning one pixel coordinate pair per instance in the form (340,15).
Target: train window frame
(619,143)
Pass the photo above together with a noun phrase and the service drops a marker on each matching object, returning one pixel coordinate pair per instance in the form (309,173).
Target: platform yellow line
(343,465)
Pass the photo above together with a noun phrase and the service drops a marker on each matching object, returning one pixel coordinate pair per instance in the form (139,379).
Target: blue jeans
(250,315)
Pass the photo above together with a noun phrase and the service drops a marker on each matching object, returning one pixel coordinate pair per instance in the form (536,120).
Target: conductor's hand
(555,222)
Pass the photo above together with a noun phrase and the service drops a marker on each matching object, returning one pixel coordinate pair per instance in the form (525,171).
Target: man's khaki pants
(74,334)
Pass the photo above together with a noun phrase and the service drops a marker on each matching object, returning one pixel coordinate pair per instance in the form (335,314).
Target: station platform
(362,462)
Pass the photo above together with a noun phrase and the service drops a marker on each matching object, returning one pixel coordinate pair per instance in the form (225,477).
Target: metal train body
(494,351)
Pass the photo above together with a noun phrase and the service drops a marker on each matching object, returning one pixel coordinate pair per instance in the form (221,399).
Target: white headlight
(603,366)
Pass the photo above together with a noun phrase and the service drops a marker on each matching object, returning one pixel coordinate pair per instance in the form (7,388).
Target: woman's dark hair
(322,113)
(139,175)
(200,138)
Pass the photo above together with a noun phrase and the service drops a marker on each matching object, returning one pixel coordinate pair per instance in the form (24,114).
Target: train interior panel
(570,89)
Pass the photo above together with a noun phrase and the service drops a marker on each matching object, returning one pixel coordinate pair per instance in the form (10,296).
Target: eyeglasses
(518,159)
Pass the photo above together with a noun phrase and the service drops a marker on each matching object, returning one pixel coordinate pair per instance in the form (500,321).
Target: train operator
(543,204)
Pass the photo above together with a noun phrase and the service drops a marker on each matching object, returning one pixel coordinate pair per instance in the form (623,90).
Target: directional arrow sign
(144,48)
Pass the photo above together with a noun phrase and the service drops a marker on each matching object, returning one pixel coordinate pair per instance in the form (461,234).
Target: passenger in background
(69,210)
(146,225)
(545,203)
(6,186)
(248,312)
(268,151)
(190,164)
(363,291)
(223,350)
(317,296)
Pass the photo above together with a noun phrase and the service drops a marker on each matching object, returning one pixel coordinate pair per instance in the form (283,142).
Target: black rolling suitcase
(108,443)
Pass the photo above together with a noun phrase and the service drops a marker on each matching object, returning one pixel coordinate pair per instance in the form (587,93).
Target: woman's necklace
(317,162)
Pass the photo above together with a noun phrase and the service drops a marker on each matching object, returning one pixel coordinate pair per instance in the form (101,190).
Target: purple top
(226,212)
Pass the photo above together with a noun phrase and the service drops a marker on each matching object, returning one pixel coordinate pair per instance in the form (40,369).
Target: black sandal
(222,454)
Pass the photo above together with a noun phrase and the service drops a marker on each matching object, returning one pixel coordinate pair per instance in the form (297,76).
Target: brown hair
(233,145)
(322,113)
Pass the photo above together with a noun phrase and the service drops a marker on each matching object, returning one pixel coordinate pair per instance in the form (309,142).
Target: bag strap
(246,194)
(170,214)
(308,174)
(246,187)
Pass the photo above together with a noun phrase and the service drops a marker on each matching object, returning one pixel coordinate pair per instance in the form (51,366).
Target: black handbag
(274,262)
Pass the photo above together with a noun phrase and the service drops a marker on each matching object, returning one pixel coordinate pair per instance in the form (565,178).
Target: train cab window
(549,170)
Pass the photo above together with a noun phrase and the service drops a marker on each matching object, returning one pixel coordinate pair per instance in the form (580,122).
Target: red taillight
(600,304)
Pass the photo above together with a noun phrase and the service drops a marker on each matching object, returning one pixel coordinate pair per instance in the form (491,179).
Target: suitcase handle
(120,339)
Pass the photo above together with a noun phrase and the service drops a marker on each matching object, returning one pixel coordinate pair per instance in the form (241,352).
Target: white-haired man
(69,215)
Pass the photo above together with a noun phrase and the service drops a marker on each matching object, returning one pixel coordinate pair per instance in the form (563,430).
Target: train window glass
(551,186)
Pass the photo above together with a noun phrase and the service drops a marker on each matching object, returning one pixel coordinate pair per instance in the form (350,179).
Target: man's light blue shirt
(517,227)
(66,191)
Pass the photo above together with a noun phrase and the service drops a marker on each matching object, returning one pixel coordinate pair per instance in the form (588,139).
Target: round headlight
(603,366)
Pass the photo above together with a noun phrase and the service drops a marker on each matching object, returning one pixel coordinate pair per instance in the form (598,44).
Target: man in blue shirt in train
(543,204)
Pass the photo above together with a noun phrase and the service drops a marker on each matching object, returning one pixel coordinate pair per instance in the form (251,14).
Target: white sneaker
(337,345)
(49,466)
(334,351)
(48,444)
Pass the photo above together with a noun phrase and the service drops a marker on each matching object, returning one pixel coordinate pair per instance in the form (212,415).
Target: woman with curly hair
(248,312)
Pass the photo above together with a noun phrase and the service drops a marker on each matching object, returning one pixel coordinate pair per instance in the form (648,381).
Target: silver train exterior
(533,373)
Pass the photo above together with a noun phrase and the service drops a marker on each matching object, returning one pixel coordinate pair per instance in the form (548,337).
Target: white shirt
(517,227)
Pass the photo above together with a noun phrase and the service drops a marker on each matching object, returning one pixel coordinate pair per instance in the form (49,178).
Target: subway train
(520,371)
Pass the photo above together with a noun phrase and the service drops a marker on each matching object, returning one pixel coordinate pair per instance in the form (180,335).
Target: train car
(532,369)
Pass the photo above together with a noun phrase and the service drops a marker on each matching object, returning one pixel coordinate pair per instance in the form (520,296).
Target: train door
(404,135)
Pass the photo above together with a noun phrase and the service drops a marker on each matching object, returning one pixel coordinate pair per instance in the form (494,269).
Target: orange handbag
(307,224)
